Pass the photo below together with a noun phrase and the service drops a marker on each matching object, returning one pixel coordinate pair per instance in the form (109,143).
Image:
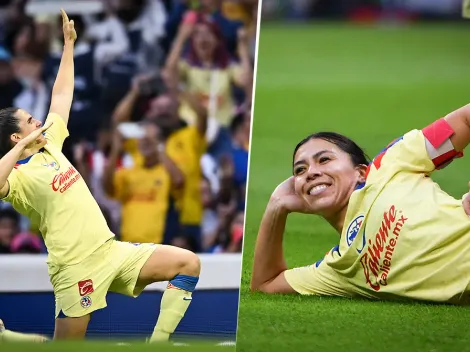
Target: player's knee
(191,264)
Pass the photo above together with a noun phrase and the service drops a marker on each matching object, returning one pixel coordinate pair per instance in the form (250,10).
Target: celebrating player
(401,236)
(84,259)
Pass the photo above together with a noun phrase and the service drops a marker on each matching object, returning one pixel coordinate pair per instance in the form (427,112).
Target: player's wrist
(278,205)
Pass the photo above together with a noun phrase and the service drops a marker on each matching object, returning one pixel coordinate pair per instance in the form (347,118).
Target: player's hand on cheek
(284,195)
(466,202)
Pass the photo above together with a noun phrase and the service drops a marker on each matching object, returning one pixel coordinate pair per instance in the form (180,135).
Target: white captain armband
(438,144)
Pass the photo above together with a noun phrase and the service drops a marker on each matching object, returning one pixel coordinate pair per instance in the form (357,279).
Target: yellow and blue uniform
(403,238)
(84,260)
(144,194)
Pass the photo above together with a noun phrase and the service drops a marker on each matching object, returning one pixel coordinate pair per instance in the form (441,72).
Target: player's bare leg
(181,268)
(11,336)
(71,328)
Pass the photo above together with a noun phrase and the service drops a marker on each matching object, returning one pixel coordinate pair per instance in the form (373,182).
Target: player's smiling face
(325,176)
(27,123)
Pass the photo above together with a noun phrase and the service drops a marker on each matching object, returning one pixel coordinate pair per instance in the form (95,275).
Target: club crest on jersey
(353,229)
(85,302)
(54,165)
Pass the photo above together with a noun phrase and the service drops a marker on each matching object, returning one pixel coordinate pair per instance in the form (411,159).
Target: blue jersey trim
(25,160)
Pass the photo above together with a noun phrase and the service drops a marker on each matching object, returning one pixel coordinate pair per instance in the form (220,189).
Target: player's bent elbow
(277,284)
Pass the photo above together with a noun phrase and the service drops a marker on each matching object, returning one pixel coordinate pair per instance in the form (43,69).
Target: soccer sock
(11,336)
(175,302)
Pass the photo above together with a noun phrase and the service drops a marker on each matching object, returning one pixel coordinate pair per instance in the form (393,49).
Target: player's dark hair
(347,145)
(8,126)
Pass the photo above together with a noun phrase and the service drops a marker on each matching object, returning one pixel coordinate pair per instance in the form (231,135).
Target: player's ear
(361,169)
(15,138)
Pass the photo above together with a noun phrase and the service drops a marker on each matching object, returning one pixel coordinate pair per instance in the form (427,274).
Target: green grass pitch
(109,346)
(372,84)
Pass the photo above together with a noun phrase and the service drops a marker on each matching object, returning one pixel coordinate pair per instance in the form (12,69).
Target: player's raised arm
(62,92)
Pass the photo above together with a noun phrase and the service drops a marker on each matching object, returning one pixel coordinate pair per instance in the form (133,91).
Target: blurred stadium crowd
(362,10)
(160,123)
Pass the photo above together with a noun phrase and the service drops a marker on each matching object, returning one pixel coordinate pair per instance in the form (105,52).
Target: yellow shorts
(81,288)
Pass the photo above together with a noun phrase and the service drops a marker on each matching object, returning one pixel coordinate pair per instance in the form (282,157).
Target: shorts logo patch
(85,302)
(85,287)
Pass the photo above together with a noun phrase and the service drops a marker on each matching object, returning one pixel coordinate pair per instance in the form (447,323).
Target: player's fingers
(65,18)
(47,126)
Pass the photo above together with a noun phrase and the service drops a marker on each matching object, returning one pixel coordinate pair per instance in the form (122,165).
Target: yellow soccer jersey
(144,194)
(49,190)
(403,238)
(186,147)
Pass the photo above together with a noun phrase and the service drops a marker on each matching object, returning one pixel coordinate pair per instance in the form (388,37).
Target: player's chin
(322,205)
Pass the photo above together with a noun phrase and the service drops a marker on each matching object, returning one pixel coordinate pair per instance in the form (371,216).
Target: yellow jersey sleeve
(16,190)
(421,151)
(317,279)
(57,133)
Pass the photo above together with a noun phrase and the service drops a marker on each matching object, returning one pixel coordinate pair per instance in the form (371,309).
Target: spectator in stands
(185,146)
(143,190)
(26,243)
(144,23)
(240,133)
(210,10)
(9,227)
(210,221)
(209,72)
(10,87)
(236,233)
(90,56)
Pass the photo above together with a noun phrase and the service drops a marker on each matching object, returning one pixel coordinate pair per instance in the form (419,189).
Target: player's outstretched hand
(35,139)
(69,29)
(466,202)
(285,195)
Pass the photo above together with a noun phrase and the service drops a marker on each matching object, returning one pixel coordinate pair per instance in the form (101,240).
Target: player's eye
(299,170)
(324,159)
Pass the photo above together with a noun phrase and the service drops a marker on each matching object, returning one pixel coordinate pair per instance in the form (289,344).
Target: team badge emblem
(353,229)
(85,301)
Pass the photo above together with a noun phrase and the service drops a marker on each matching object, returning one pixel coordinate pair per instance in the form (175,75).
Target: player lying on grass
(401,236)
(85,261)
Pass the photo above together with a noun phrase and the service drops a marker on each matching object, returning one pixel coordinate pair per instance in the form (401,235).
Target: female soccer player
(401,236)
(84,259)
